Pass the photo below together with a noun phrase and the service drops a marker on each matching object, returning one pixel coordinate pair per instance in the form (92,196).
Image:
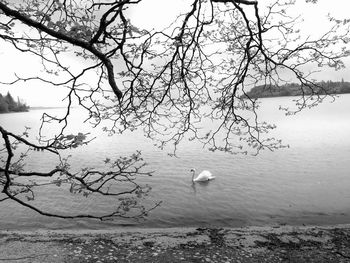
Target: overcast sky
(156,14)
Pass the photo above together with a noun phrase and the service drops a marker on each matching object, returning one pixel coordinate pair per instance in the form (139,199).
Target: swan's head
(193,170)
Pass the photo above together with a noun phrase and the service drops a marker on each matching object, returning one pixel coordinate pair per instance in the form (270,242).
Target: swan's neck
(193,175)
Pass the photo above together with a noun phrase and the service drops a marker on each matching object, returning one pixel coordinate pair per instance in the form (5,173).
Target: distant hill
(293,89)
(8,104)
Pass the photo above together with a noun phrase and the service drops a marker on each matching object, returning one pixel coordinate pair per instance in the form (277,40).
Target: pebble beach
(250,244)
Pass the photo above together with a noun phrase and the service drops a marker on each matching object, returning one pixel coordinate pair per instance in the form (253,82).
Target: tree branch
(69,39)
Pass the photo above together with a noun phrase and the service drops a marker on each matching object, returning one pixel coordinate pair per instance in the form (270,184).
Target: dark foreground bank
(268,244)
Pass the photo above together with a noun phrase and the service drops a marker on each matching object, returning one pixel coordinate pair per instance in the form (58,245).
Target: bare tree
(166,82)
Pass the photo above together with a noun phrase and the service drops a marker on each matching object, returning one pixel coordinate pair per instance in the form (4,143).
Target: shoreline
(245,244)
(140,229)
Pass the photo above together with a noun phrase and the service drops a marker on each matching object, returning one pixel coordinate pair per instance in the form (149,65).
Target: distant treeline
(293,89)
(8,104)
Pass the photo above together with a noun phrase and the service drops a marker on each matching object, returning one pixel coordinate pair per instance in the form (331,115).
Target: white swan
(202,177)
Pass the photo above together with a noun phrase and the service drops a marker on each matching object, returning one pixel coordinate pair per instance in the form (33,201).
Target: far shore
(47,107)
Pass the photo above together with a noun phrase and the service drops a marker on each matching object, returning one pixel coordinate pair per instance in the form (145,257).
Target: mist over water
(307,183)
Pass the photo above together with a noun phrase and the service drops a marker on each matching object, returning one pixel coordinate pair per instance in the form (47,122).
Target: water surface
(308,183)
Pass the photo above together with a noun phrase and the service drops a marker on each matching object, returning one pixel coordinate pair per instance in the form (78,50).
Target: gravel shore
(252,244)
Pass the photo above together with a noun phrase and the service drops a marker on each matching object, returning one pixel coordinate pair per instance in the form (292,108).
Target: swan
(202,177)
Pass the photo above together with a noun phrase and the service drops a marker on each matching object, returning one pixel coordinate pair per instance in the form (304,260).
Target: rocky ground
(268,244)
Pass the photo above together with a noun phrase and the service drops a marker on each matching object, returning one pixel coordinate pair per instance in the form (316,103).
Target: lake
(308,183)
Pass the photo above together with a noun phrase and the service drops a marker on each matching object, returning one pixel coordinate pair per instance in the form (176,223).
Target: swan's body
(203,176)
